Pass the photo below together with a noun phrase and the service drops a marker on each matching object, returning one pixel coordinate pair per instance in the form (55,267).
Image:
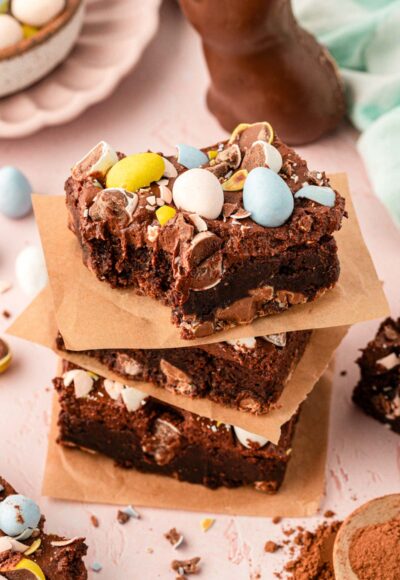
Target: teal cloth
(364,38)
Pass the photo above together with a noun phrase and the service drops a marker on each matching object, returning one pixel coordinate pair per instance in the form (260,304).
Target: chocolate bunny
(264,66)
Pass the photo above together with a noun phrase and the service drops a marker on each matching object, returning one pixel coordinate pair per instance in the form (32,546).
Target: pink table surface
(159,104)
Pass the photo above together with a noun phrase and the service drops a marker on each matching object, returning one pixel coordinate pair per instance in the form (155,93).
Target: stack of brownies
(221,236)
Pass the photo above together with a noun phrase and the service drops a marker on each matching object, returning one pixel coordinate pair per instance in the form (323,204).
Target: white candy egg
(199,191)
(10,31)
(245,437)
(30,270)
(133,398)
(36,12)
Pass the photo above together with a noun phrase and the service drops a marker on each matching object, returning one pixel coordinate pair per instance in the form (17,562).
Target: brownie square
(378,391)
(213,273)
(143,433)
(57,557)
(248,374)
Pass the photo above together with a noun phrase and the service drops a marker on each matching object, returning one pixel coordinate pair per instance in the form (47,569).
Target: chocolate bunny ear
(271,69)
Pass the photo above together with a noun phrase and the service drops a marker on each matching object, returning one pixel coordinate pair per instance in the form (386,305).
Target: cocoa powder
(374,552)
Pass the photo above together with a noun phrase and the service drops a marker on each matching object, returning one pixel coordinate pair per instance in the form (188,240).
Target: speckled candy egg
(15,193)
(37,12)
(246,438)
(199,191)
(136,171)
(268,198)
(18,514)
(30,269)
(10,31)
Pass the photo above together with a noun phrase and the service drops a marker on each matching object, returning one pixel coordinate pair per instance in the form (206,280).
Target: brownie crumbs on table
(378,391)
(216,272)
(186,567)
(174,538)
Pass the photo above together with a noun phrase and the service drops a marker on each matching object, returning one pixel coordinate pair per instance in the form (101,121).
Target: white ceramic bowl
(32,59)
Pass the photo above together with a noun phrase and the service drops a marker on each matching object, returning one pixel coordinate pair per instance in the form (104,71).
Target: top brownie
(222,235)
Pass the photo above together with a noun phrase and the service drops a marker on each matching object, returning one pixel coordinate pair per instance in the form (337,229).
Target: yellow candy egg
(236,181)
(5,356)
(212,154)
(136,171)
(165,213)
(31,566)
(29,31)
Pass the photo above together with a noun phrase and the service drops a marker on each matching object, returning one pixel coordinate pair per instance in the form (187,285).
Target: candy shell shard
(170,170)
(165,213)
(236,181)
(96,163)
(212,154)
(243,126)
(278,339)
(199,191)
(191,157)
(320,194)
(206,524)
(5,356)
(83,382)
(4,6)
(37,13)
(113,389)
(10,31)
(33,547)
(263,154)
(267,197)
(35,569)
(240,343)
(18,513)
(136,171)
(15,192)
(29,31)
(247,439)
(133,398)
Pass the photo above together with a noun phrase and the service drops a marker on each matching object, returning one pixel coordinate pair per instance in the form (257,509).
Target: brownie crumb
(271,547)
(276,520)
(94,521)
(186,566)
(122,517)
(6,314)
(343,373)
(174,537)
(329,514)
(289,532)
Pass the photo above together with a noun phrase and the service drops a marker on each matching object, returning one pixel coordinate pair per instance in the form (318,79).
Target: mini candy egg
(191,157)
(10,31)
(236,181)
(136,171)
(30,270)
(15,192)
(96,163)
(267,197)
(37,13)
(5,356)
(245,437)
(18,514)
(133,398)
(243,126)
(322,195)
(199,191)
(165,213)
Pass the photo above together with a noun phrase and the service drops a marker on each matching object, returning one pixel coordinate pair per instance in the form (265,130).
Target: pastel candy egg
(191,157)
(322,195)
(10,31)
(18,513)
(30,270)
(37,13)
(246,438)
(267,197)
(199,191)
(15,192)
(136,171)
(4,5)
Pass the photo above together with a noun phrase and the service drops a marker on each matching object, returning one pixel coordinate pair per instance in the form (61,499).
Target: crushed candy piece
(190,157)
(96,163)
(174,538)
(33,547)
(165,213)
(319,194)
(96,567)
(206,524)
(26,564)
(236,181)
(186,566)
(5,356)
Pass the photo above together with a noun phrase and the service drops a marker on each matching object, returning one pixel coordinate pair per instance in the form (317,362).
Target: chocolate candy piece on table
(262,64)
(5,356)
(378,391)
(247,233)
(249,374)
(157,438)
(26,548)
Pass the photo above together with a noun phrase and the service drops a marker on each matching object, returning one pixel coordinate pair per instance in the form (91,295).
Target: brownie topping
(164,443)
(374,551)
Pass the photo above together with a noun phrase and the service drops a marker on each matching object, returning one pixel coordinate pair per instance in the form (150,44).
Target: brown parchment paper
(71,474)
(90,314)
(38,325)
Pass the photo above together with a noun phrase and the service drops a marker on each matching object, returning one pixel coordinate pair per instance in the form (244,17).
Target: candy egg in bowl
(35,37)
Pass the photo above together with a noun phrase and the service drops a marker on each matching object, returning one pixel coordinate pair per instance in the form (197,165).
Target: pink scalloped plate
(111,42)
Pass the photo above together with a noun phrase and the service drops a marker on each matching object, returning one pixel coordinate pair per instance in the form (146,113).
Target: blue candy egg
(18,514)
(191,157)
(323,195)
(15,193)
(267,197)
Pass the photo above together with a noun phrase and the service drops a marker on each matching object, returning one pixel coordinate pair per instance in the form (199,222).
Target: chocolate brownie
(140,432)
(213,272)
(378,391)
(248,374)
(33,550)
